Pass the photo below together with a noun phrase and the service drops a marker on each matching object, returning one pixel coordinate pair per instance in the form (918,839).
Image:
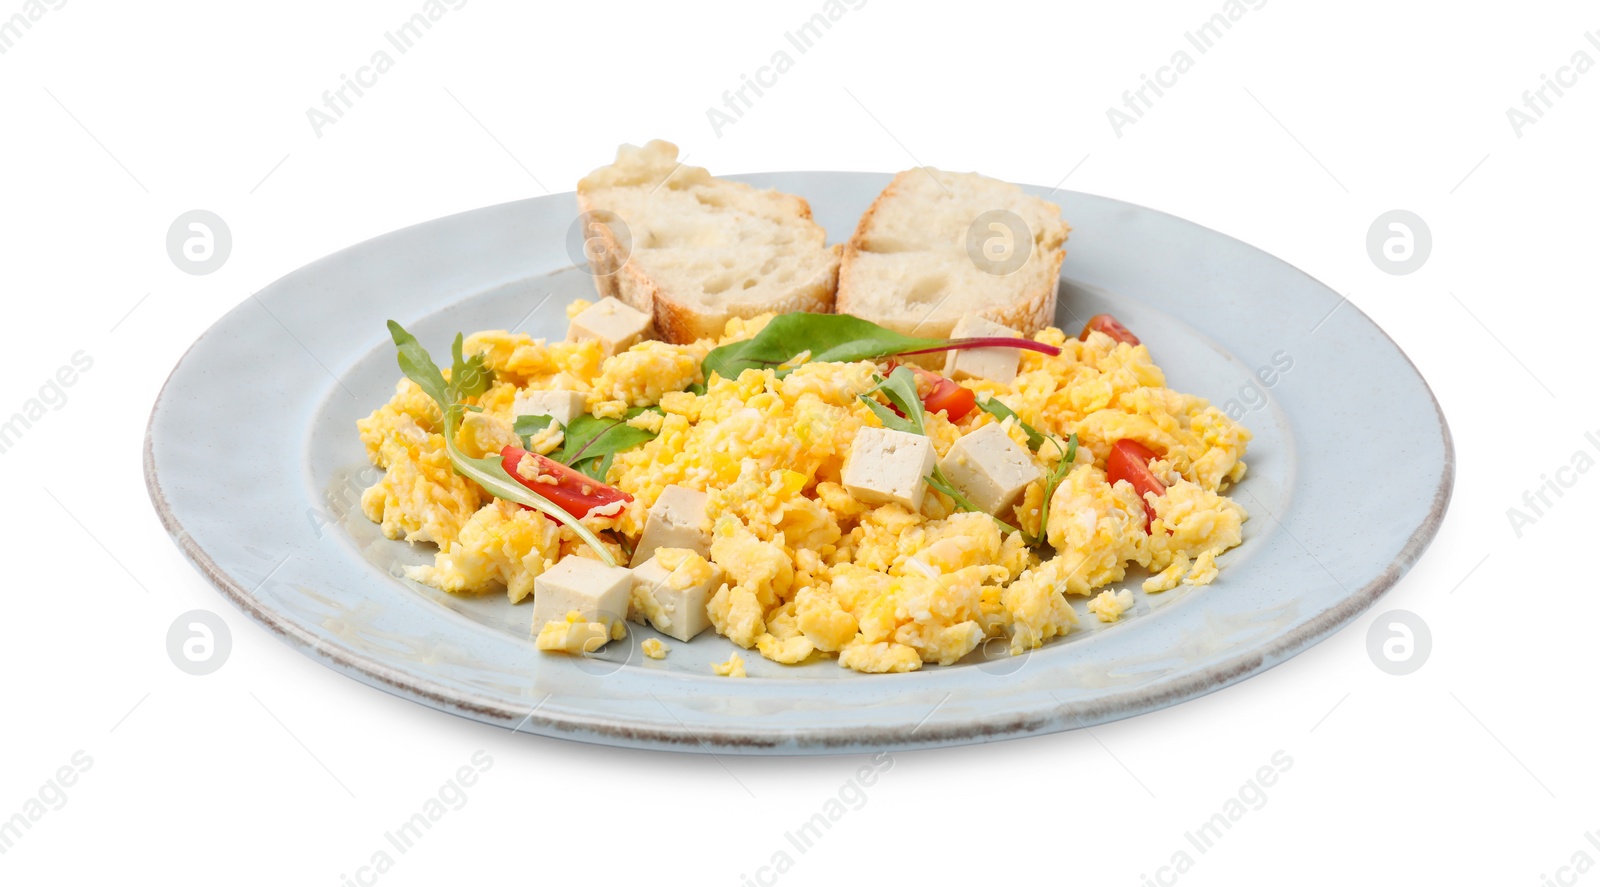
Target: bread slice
(694,251)
(909,266)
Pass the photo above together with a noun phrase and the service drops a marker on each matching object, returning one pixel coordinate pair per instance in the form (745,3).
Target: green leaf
(888,416)
(837,337)
(901,389)
(1062,469)
(468,378)
(486,472)
(419,367)
(1000,411)
(527,426)
(829,337)
(589,438)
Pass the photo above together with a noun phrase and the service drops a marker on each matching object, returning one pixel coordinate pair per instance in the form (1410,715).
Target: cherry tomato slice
(574,492)
(947,395)
(1130,461)
(1109,325)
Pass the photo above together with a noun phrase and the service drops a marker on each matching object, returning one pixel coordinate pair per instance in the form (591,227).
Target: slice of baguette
(693,251)
(908,265)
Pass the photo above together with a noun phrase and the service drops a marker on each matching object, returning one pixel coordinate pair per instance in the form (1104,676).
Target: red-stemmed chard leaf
(837,337)
(986,342)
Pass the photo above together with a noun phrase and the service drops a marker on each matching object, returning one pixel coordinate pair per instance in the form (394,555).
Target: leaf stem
(986,342)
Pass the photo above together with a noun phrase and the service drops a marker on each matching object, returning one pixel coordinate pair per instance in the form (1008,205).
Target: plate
(254,466)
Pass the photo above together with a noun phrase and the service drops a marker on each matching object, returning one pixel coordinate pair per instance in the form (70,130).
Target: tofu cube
(677,520)
(616,325)
(994,364)
(888,466)
(561,405)
(675,612)
(597,592)
(990,469)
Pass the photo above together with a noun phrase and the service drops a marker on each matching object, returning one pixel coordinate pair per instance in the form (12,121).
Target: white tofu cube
(888,466)
(616,325)
(560,405)
(994,364)
(677,520)
(990,469)
(597,592)
(673,611)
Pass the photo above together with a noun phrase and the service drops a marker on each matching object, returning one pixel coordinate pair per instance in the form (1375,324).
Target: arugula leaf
(486,472)
(901,389)
(835,337)
(1000,411)
(591,443)
(469,378)
(527,426)
(1063,467)
(888,416)
(419,367)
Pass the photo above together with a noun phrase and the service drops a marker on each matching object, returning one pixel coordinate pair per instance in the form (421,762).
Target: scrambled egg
(809,570)
(733,668)
(1108,605)
(575,635)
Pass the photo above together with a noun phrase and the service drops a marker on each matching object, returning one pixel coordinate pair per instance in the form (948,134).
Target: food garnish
(590,443)
(1130,460)
(574,492)
(1036,440)
(1109,325)
(469,378)
(900,388)
(943,394)
(838,337)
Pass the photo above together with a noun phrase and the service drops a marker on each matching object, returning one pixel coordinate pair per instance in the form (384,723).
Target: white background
(1293,133)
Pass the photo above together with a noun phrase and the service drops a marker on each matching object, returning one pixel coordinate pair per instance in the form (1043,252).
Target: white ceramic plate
(253,463)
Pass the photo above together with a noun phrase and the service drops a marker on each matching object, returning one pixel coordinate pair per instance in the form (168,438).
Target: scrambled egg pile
(809,569)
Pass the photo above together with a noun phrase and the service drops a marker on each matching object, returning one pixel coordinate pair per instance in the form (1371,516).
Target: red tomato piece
(945,394)
(1130,461)
(574,492)
(1109,325)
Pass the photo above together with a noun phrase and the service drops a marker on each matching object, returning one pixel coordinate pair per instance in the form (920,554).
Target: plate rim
(1113,705)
